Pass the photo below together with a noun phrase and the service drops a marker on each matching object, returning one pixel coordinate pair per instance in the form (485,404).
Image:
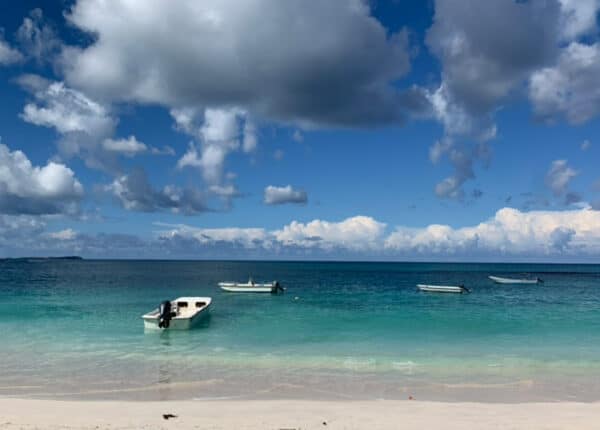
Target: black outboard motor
(278,288)
(164,314)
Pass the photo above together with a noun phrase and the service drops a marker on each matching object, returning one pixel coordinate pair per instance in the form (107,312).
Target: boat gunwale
(154,314)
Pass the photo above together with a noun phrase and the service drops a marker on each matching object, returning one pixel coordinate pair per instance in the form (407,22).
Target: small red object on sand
(411,398)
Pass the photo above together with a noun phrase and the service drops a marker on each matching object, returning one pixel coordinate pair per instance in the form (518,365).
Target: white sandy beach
(294,414)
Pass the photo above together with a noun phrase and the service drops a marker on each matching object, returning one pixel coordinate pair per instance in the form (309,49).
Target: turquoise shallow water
(341,330)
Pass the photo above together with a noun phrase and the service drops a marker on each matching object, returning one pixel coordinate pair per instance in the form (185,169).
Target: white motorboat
(501,280)
(251,287)
(179,314)
(443,288)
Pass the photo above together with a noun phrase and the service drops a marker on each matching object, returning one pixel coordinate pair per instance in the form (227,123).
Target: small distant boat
(179,314)
(251,287)
(443,288)
(501,280)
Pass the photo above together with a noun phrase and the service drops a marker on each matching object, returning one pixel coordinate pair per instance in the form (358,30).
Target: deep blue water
(74,328)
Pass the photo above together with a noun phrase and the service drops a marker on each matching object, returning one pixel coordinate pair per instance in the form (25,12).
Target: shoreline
(300,386)
(293,414)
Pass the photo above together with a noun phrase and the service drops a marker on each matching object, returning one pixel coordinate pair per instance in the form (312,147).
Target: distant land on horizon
(66,257)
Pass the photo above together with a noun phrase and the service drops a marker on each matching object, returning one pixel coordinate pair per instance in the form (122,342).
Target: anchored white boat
(178,314)
(251,287)
(442,288)
(501,280)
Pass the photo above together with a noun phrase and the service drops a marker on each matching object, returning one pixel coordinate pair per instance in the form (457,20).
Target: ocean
(73,329)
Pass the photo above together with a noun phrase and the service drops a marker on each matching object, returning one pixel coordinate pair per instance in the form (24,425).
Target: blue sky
(439,130)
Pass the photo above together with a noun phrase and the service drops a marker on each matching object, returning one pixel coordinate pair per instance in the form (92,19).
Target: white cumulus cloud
(551,50)
(571,87)
(135,193)
(222,131)
(82,123)
(37,38)
(36,190)
(8,55)
(128,147)
(355,233)
(245,237)
(68,110)
(66,234)
(225,191)
(559,176)
(219,54)
(509,233)
(578,17)
(281,195)
(86,126)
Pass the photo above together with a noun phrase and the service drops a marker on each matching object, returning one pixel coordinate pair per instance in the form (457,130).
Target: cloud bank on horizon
(537,235)
(150,111)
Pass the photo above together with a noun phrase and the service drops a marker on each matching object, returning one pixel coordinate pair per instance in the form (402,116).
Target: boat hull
(441,289)
(184,320)
(177,323)
(236,287)
(501,280)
